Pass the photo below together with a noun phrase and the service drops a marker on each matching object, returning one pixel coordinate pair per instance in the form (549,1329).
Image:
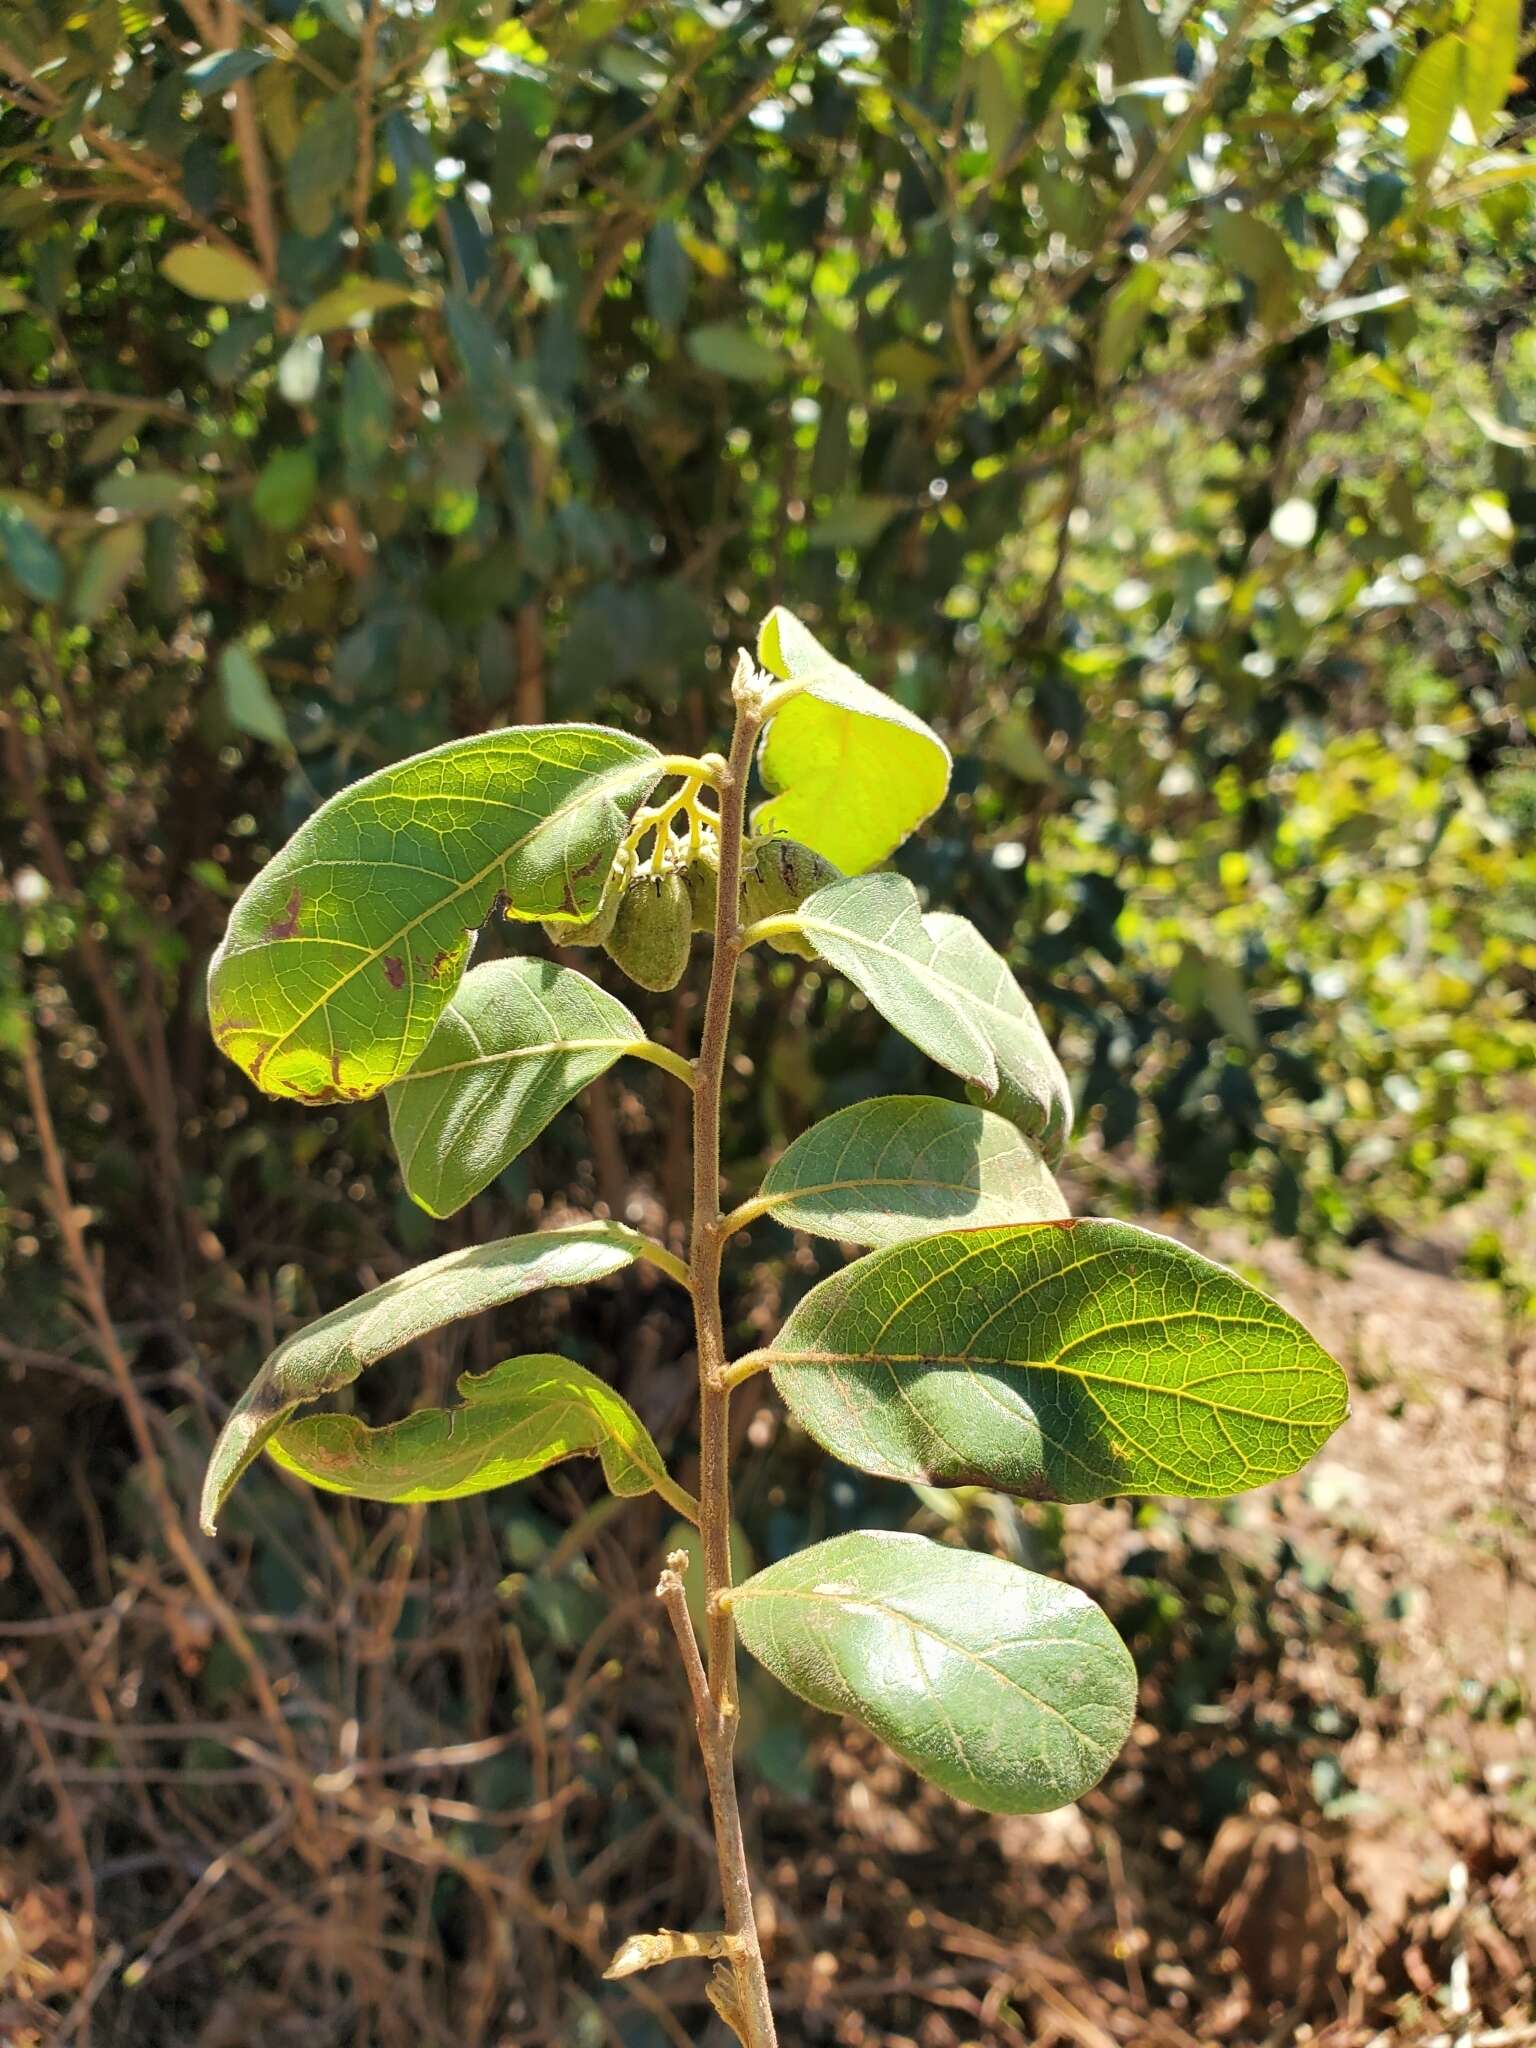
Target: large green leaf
(1062,1361)
(852,771)
(1007,1688)
(905,1166)
(329,1354)
(518,1040)
(1491,52)
(203,271)
(939,982)
(521,1416)
(343,952)
(1430,93)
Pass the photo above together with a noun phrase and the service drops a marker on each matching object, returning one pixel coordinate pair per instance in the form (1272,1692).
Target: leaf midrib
(842,1602)
(593,789)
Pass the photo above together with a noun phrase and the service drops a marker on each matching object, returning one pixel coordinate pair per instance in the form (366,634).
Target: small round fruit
(702,876)
(652,932)
(776,877)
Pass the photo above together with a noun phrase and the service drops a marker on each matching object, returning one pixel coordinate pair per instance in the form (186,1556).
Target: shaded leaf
(285,490)
(1061,1361)
(519,1039)
(733,351)
(224,68)
(668,275)
(322,164)
(853,523)
(1125,315)
(144,491)
(329,1354)
(249,703)
(343,952)
(30,556)
(1032,1090)
(851,772)
(108,564)
(519,1418)
(1008,1689)
(903,1166)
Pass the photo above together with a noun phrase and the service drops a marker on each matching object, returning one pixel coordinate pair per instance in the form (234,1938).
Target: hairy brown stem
(718,1712)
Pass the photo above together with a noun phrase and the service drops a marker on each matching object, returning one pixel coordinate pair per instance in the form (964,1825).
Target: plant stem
(718,1713)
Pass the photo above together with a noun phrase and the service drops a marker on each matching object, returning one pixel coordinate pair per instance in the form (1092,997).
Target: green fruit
(597,927)
(776,877)
(702,876)
(652,932)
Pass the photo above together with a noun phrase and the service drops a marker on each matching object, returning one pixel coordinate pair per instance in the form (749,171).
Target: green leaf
(904,1166)
(852,771)
(329,1354)
(519,1418)
(285,490)
(1430,92)
(358,299)
(322,164)
(1008,1689)
(30,556)
(668,276)
(220,275)
(732,351)
(519,1039)
(943,987)
(249,703)
(343,952)
(1258,253)
(1125,315)
(853,523)
(1491,53)
(144,492)
(108,564)
(1061,1361)
(367,409)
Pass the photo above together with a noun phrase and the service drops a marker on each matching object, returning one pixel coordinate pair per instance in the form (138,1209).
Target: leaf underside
(343,952)
(1008,1689)
(514,1420)
(329,1354)
(902,1166)
(942,986)
(517,1041)
(1059,1361)
(851,771)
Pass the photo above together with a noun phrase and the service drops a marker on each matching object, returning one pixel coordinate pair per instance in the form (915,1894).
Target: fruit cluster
(651,909)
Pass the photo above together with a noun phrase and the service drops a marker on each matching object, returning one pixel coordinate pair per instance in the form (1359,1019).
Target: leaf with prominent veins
(343,952)
(904,1166)
(518,1040)
(1061,1361)
(938,981)
(1010,1690)
(514,1420)
(329,1354)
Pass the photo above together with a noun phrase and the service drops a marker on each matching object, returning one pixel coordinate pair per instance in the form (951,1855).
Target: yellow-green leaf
(1430,92)
(1491,41)
(343,952)
(852,771)
(219,275)
(329,1354)
(357,299)
(519,1418)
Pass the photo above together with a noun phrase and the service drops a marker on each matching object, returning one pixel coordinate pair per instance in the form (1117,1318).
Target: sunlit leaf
(1061,1361)
(1429,99)
(519,1418)
(904,1166)
(852,771)
(329,1354)
(518,1040)
(206,272)
(343,952)
(1491,51)
(1008,1689)
(355,300)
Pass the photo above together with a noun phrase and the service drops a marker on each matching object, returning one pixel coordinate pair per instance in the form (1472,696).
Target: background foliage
(1145,396)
